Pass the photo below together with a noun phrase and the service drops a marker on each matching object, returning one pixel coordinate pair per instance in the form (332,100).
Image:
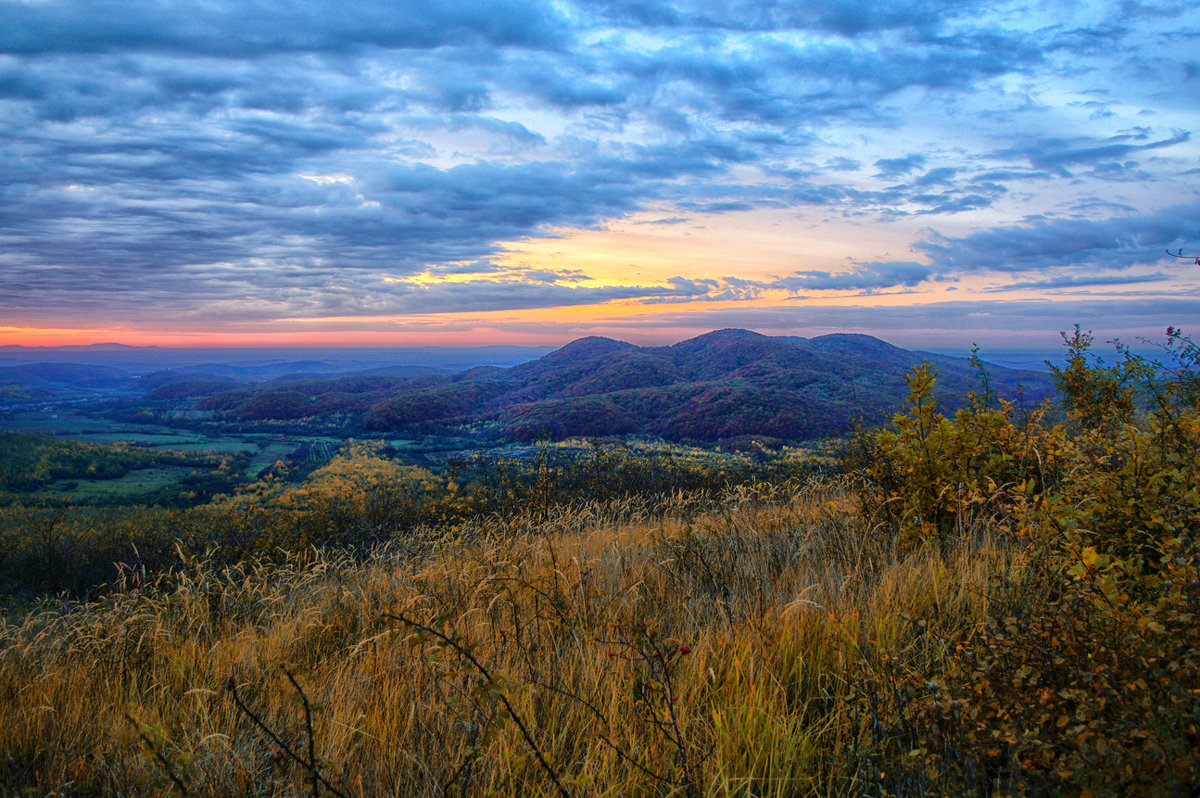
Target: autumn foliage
(998,602)
(1083,674)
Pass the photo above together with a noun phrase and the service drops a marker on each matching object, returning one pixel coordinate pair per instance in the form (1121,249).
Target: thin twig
(663,674)
(312,756)
(466,654)
(310,766)
(1181,256)
(162,760)
(600,736)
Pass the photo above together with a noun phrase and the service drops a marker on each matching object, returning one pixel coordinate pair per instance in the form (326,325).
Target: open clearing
(138,482)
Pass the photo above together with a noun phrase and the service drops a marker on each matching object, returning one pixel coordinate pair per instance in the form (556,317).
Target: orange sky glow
(530,173)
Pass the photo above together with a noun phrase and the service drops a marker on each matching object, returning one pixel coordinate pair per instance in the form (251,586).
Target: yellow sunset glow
(646,249)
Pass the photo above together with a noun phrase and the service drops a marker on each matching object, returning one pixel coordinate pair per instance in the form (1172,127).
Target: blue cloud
(190,155)
(1055,155)
(892,167)
(1039,245)
(1115,243)
(866,277)
(238,29)
(1084,281)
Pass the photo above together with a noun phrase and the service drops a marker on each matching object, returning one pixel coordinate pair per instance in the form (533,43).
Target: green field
(138,482)
(267,457)
(76,426)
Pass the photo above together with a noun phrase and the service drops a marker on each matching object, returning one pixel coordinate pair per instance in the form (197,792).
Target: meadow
(998,602)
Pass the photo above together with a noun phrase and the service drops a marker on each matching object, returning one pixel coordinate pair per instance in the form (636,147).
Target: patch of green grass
(63,423)
(156,440)
(202,444)
(138,482)
(79,427)
(267,457)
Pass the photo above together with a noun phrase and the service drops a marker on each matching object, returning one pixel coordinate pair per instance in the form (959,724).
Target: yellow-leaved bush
(1083,675)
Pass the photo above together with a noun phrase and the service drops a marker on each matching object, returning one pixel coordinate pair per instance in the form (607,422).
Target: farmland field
(140,482)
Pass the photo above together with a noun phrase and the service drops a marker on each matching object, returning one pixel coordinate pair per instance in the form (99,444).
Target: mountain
(43,374)
(183,387)
(101,347)
(256,364)
(721,385)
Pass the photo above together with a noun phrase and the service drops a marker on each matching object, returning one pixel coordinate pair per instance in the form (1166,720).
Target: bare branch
(309,765)
(1181,256)
(466,654)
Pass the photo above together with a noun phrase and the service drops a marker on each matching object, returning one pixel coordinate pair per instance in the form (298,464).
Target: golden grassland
(990,604)
(582,619)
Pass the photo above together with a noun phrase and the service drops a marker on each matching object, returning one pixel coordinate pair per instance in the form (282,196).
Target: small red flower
(684,650)
(674,698)
(611,654)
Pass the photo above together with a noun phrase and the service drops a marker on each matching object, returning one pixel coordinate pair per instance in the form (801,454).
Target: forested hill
(725,384)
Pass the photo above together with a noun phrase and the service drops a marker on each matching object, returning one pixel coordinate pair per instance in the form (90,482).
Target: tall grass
(999,605)
(709,644)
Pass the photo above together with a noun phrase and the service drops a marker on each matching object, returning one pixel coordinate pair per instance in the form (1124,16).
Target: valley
(731,390)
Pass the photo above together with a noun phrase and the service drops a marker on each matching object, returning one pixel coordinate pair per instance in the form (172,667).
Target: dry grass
(582,619)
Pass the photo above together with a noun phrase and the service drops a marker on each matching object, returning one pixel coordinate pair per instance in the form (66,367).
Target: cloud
(848,18)
(1040,245)
(1118,242)
(235,29)
(941,176)
(893,167)
(1083,281)
(1031,325)
(866,277)
(1054,155)
(841,164)
(248,158)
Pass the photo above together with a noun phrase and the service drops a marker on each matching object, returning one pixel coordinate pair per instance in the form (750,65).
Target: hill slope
(724,384)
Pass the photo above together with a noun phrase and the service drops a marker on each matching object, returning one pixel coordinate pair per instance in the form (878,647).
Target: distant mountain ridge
(101,347)
(722,385)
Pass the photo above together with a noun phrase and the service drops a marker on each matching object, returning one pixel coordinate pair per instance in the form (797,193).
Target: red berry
(684,650)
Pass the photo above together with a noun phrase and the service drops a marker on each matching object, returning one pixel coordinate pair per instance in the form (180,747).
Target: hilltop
(722,385)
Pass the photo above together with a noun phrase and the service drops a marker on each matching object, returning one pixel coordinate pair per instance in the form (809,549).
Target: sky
(260,172)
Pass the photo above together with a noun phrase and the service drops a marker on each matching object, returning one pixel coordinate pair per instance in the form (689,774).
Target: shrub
(1082,676)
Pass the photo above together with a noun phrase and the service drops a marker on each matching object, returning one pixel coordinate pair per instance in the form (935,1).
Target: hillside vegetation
(723,385)
(989,603)
(34,464)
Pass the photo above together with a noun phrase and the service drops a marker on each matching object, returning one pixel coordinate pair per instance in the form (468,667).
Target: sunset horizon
(599,397)
(933,173)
